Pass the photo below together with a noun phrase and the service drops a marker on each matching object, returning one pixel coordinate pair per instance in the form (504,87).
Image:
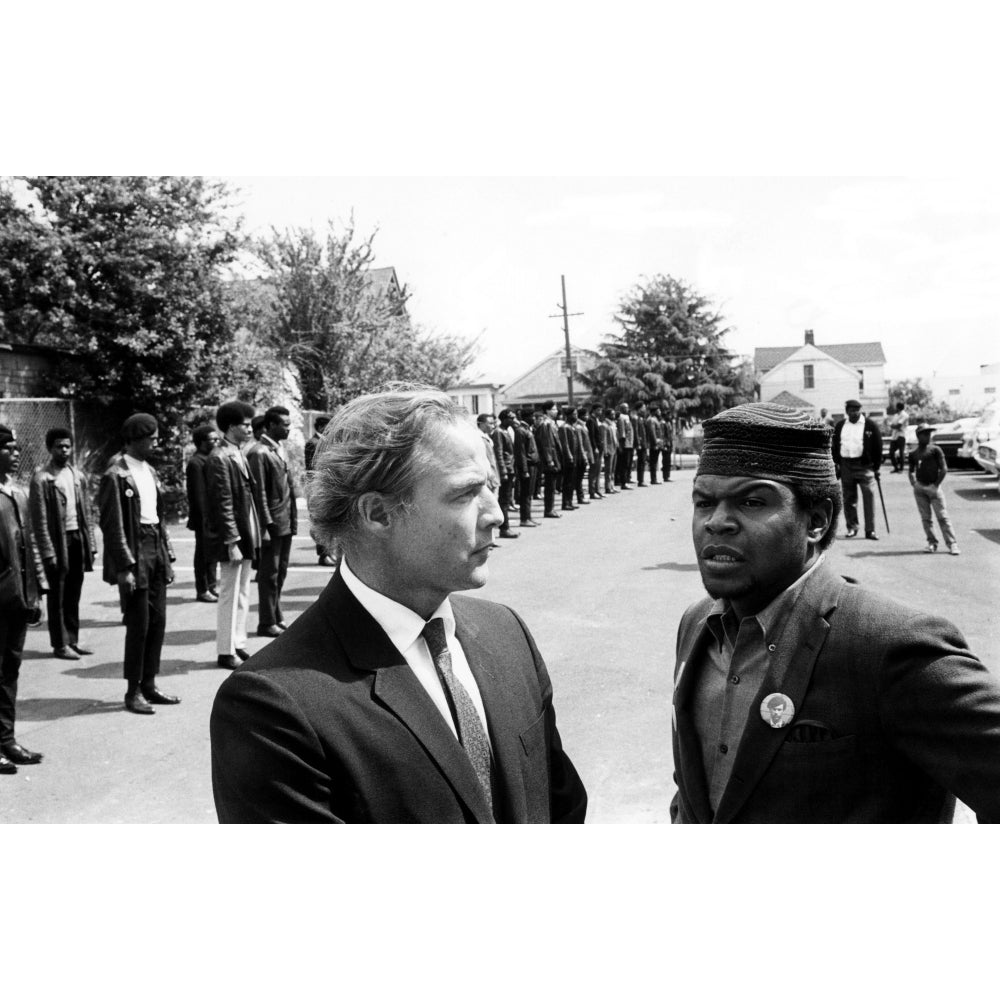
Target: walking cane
(878,483)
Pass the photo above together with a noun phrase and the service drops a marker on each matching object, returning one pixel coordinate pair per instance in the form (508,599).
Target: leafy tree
(670,353)
(343,337)
(126,275)
(919,401)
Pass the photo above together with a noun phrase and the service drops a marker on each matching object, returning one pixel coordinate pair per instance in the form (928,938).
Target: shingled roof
(865,353)
(787,399)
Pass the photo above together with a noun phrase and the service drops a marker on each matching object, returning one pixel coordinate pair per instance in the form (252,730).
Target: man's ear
(374,513)
(820,516)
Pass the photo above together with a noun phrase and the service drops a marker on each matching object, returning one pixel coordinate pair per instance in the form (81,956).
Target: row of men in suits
(799,695)
(547,452)
(242,508)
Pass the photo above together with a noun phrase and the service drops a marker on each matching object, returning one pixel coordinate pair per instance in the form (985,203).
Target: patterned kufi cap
(767,441)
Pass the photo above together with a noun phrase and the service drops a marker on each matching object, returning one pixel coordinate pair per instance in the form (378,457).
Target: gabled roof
(787,399)
(561,353)
(863,353)
(381,280)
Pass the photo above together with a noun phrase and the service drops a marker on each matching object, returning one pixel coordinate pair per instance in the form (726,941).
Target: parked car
(986,439)
(950,438)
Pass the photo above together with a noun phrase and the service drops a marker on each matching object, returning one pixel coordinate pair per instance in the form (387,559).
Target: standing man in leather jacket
(137,558)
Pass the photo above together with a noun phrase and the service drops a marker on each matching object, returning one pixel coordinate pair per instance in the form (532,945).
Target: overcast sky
(912,263)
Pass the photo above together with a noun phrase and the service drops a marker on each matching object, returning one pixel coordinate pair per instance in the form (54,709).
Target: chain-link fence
(31,419)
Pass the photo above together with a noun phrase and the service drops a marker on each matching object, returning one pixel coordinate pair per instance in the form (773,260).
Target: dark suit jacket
(548,445)
(232,510)
(119,511)
(48,516)
(274,491)
(328,724)
(872,452)
(22,575)
(913,716)
(503,451)
(197,495)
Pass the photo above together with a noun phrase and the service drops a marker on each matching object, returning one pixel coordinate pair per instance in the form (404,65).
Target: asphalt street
(602,591)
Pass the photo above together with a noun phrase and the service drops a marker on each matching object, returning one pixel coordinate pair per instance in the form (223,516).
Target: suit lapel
(690,767)
(397,689)
(488,673)
(789,673)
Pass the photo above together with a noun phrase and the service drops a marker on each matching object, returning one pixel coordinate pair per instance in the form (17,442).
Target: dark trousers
(206,571)
(13,629)
(568,484)
(640,464)
(623,473)
(524,488)
(271,573)
(63,600)
(503,498)
(897,452)
(550,489)
(146,617)
(654,454)
(595,473)
(667,456)
(581,471)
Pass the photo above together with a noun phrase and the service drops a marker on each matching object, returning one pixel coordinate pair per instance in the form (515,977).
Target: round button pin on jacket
(777,710)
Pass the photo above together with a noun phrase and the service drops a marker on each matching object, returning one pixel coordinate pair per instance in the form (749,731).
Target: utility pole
(569,358)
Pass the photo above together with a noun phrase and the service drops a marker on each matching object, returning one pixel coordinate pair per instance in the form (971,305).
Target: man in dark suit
(22,579)
(206,571)
(137,559)
(799,696)
(857,455)
(549,454)
(233,529)
(525,458)
(274,493)
(389,700)
(626,444)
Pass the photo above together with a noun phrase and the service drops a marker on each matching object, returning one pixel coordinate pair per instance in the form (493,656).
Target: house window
(954,392)
(861,381)
(808,378)
(475,406)
(990,388)
(565,367)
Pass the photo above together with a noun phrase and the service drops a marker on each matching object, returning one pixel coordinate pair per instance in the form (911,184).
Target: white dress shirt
(142,473)
(852,438)
(403,627)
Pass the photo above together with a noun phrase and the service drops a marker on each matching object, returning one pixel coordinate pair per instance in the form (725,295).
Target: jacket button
(735,679)
(723,748)
(772,647)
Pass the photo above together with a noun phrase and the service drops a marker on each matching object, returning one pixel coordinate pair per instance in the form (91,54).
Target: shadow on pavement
(113,669)
(92,623)
(189,637)
(990,534)
(987,492)
(680,567)
(47,709)
(889,555)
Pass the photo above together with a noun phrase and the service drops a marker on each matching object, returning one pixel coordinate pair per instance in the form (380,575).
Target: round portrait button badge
(777,710)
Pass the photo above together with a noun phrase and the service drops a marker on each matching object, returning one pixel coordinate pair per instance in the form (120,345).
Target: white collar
(400,624)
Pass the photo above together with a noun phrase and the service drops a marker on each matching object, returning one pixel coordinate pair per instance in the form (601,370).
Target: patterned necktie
(471,734)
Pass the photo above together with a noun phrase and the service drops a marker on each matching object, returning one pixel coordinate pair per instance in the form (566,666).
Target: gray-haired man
(389,700)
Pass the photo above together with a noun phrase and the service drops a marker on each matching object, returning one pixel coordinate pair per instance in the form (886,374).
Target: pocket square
(809,731)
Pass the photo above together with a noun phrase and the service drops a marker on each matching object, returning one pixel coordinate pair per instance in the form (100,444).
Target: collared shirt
(728,682)
(852,438)
(146,484)
(276,446)
(66,481)
(404,628)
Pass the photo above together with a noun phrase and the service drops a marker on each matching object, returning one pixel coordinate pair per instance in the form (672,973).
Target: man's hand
(234,553)
(272,531)
(126,580)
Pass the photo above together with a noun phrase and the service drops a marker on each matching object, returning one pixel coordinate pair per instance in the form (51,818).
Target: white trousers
(233,607)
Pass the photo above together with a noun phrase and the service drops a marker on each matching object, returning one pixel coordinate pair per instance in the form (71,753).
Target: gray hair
(374,445)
